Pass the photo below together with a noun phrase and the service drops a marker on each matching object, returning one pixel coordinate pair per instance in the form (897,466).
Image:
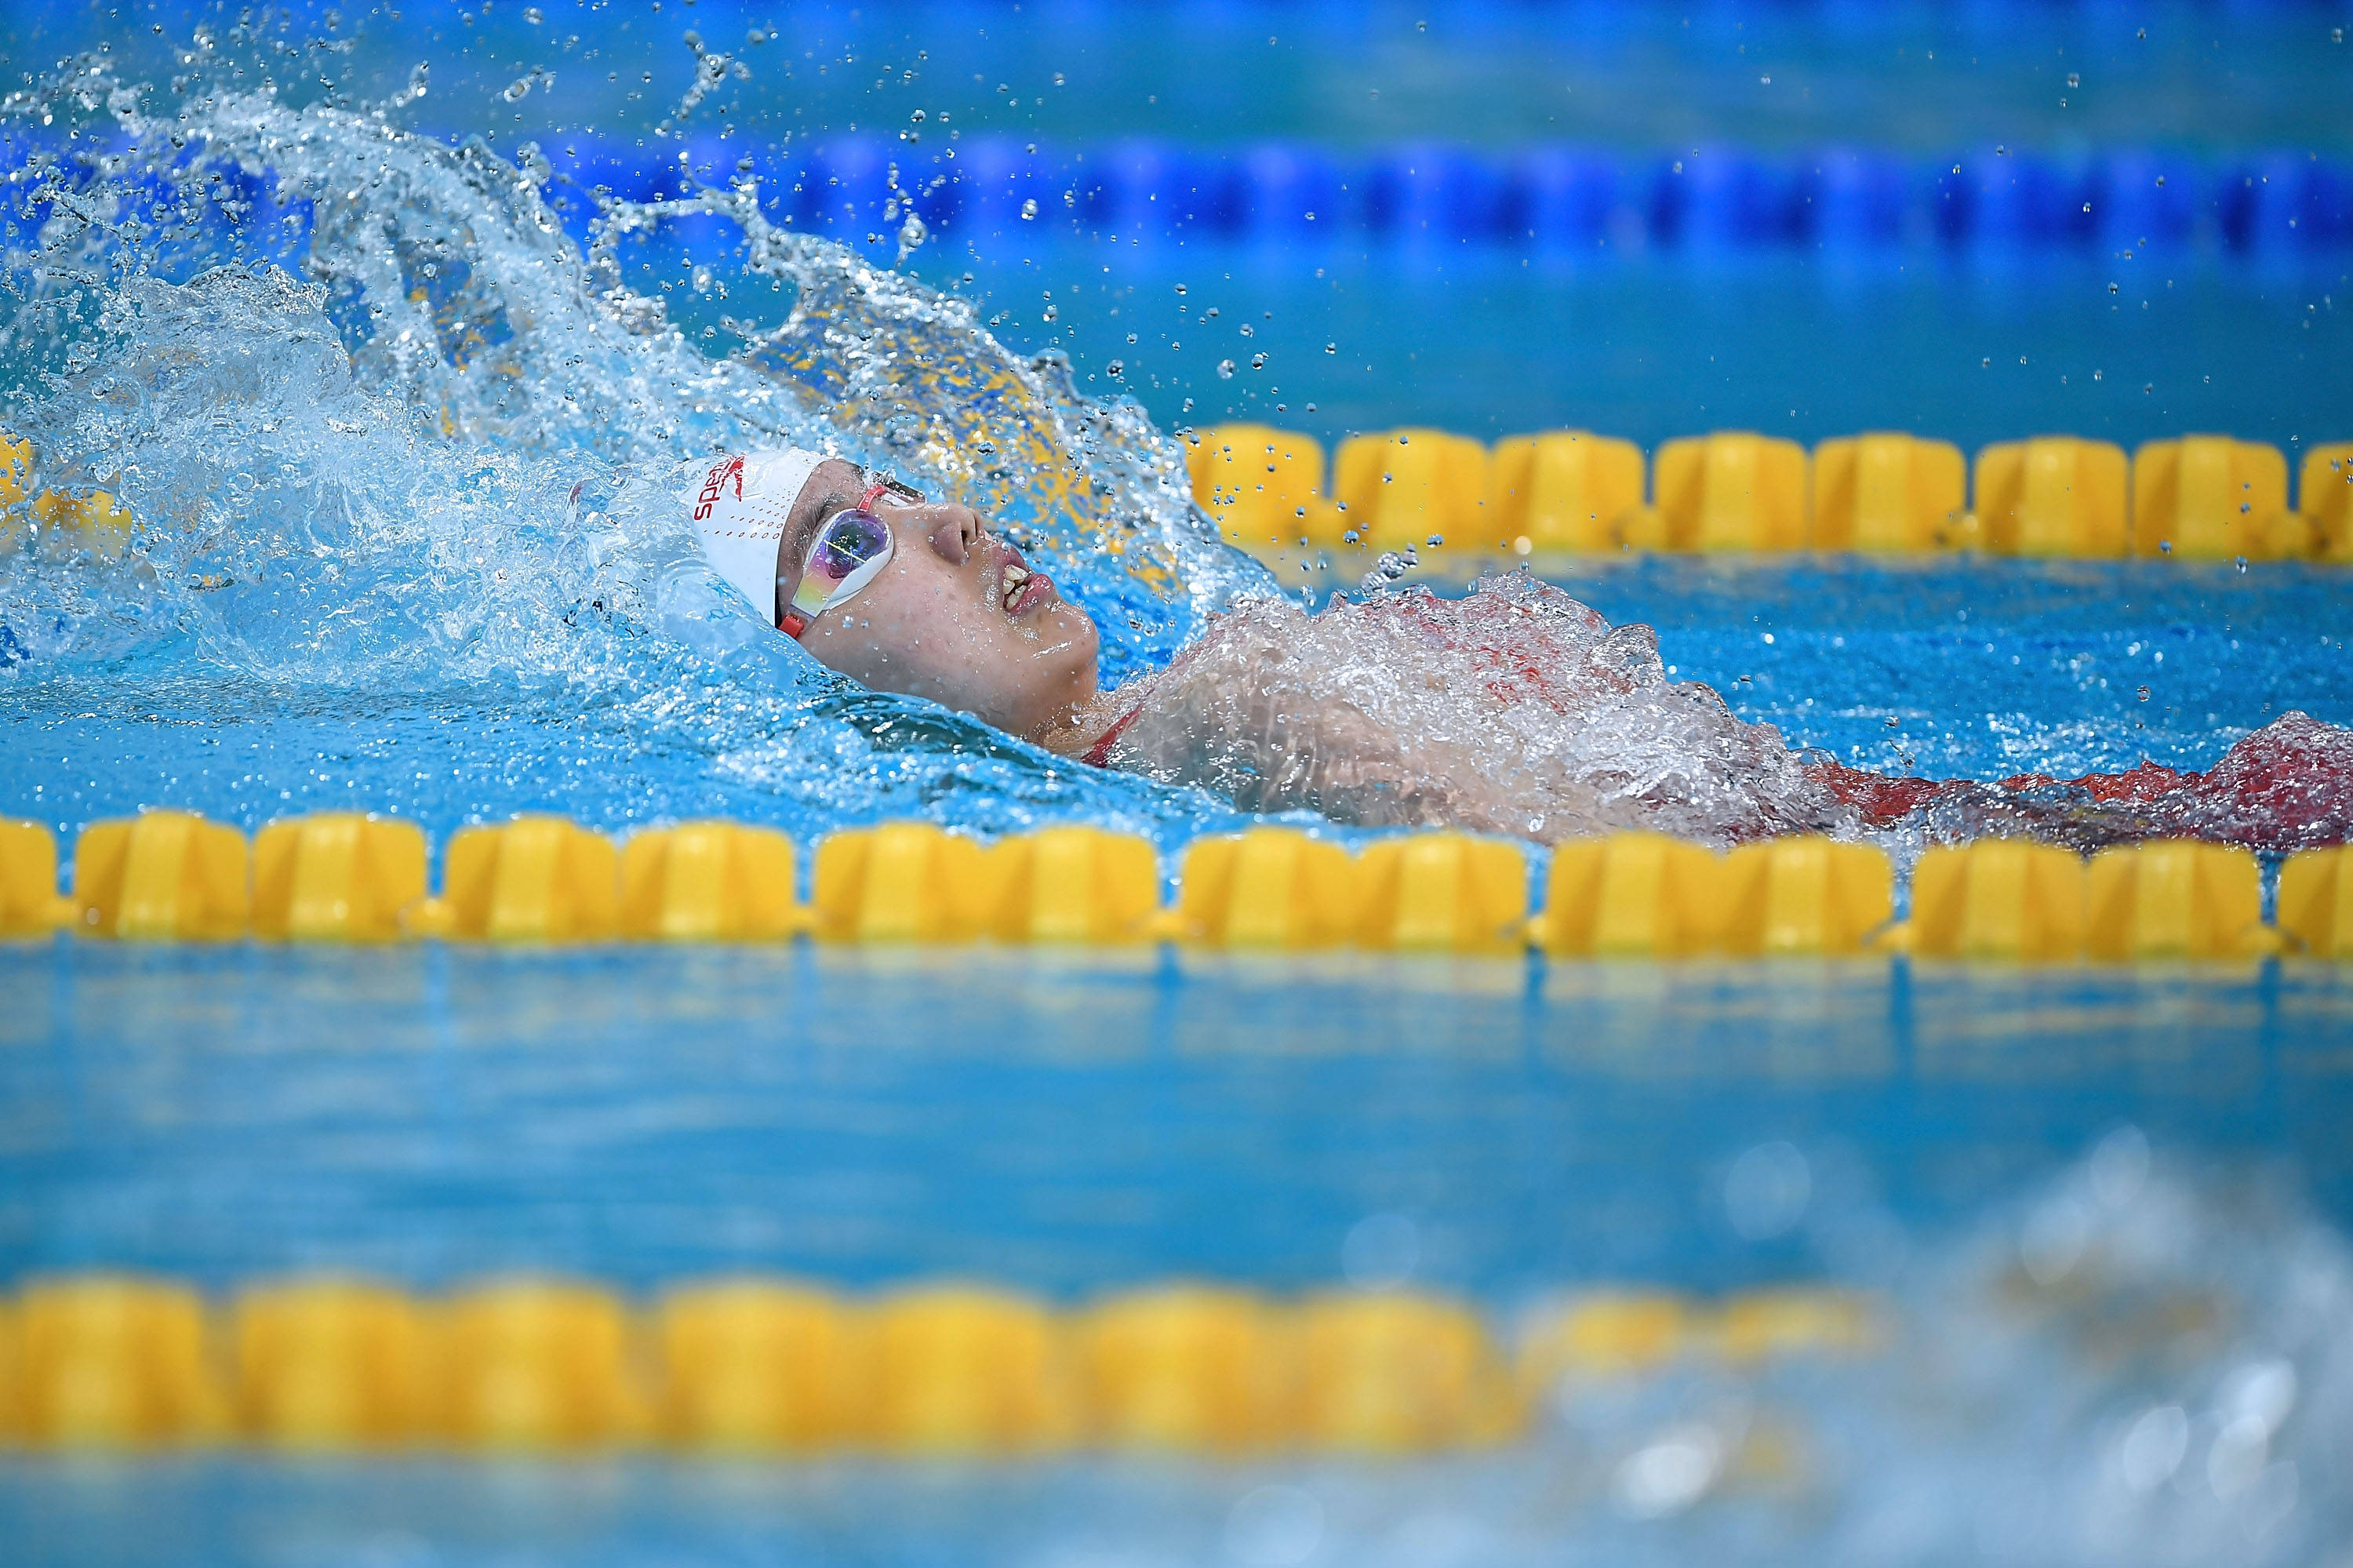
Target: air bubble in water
(1029,207)
(1766,1191)
(1225,370)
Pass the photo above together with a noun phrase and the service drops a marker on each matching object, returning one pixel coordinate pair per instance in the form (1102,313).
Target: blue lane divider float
(1999,202)
(1547,198)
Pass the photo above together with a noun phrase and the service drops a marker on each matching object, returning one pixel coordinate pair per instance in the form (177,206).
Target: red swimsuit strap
(1099,754)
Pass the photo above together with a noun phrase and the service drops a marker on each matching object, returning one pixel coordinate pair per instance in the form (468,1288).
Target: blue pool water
(1075,1125)
(389,459)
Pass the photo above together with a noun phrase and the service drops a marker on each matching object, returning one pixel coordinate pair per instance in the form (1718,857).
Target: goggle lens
(847,542)
(853,545)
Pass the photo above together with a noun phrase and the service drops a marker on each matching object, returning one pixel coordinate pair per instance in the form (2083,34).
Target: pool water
(1075,1126)
(392,440)
(1070,1125)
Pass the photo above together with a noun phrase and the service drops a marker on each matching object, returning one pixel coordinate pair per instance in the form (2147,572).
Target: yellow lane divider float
(541,880)
(761,1365)
(90,519)
(1565,492)
(1461,506)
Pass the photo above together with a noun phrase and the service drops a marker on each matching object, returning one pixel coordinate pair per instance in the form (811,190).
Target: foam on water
(428,471)
(1517,710)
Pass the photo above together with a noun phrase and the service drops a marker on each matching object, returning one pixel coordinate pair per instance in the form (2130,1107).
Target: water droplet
(1030,207)
(1051,312)
(1436,540)
(1275,1526)
(2142,693)
(917,117)
(1766,1191)
(1116,367)
(1225,370)
(2075,78)
(2154,1447)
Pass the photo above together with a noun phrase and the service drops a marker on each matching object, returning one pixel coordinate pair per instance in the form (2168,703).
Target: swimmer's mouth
(1020,589)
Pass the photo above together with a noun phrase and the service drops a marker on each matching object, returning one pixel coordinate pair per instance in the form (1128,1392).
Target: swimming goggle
(850,551)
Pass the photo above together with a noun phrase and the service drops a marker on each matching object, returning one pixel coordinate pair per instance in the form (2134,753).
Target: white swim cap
(740,509)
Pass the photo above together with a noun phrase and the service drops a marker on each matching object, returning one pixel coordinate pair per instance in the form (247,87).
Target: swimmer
(1517,710)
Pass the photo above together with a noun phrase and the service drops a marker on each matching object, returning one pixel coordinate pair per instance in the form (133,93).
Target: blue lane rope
(1539,197)
(1542,198)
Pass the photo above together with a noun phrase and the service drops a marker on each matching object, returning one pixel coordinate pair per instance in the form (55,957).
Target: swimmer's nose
(955,534)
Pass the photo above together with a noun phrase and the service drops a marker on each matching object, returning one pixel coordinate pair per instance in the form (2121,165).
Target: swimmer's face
(956,616)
